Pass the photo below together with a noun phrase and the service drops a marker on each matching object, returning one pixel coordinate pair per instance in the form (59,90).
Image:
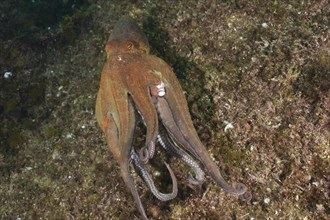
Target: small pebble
(264,25)
(69,136)
(228,126)
(267,201)
(7,74)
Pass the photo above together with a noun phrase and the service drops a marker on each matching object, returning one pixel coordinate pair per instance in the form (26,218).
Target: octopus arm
(176,118)
(125,172)
(119,140)
(116,108)
(140,93)
(169,146)
(143,173)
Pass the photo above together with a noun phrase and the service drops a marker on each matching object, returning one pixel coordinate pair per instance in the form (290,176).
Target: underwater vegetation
(261,67)
(26,19)
(27,28)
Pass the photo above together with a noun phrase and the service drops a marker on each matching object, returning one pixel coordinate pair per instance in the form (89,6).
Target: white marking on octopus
(161,89)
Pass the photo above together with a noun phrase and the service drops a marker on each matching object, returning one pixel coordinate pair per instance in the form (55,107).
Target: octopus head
(127,36)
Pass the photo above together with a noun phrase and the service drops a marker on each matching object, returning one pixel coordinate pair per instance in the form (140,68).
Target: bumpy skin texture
(134,81)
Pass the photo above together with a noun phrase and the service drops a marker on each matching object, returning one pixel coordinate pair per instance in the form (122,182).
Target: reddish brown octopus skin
(128,84)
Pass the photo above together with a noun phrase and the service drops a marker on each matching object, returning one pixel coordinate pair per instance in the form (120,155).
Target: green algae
(32,18)
(10,105)
(313,82)
(15,139)
(52,132)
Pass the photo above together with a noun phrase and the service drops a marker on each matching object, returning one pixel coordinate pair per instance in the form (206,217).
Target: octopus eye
(129,45)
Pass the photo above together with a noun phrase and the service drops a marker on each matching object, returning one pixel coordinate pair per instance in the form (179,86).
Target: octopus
(136,84)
